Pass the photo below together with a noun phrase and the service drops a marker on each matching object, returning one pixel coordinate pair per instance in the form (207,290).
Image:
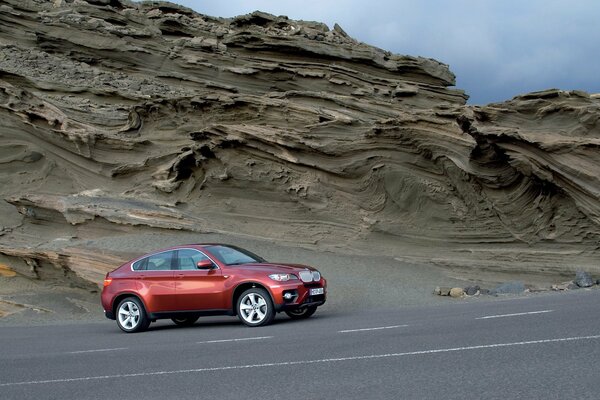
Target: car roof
(181,246)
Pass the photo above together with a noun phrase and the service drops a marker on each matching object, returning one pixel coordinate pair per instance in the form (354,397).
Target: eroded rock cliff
(119,116)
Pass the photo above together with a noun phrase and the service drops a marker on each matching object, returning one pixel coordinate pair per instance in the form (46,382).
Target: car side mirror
(205,264)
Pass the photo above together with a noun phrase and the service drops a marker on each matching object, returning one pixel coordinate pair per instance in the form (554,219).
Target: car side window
(139,265)
(188,259)
(160,262)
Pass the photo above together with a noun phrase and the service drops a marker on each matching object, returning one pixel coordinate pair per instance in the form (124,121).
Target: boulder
(471,290)
(457,292)
(583,279)
(442,291)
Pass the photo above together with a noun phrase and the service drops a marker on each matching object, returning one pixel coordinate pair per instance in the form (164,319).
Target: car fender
(128,293)
(254,284)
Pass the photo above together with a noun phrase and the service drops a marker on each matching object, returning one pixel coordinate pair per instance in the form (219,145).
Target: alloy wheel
(253,308)
(129,315)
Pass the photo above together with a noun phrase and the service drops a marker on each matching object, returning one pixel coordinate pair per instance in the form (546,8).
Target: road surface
(538,347)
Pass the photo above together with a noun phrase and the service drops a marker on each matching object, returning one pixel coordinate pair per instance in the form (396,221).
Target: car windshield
(230,255)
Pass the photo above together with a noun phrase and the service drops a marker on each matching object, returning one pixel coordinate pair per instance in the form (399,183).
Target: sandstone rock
(457,292)
(564,286)
(583,279)
(339,30)
(152,101)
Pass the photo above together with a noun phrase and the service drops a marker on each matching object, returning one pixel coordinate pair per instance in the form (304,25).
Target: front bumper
(286,307)
(109,315)
(300,295)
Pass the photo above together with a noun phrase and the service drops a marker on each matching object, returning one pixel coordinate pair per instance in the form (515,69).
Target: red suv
(186,282)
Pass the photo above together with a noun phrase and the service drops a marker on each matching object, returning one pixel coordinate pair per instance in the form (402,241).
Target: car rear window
(138,265)
(156,262)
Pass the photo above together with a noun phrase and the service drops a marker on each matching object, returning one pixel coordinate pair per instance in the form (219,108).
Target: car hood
(273,267)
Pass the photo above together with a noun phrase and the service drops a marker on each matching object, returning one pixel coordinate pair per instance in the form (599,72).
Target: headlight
(282,277)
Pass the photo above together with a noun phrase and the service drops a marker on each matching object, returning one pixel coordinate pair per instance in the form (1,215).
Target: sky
(496,48)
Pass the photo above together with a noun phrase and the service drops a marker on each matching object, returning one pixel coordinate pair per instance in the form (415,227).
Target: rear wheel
(131,315)
(182,321)
(301,313)
(255,308)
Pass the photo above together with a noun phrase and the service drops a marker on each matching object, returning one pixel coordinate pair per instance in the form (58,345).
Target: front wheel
(255,308)
(131,315)
(301,313)
(184,321)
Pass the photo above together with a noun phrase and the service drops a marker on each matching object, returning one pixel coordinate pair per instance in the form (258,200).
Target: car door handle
(180,275)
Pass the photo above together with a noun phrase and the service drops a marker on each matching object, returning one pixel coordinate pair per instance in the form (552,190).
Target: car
(186,282)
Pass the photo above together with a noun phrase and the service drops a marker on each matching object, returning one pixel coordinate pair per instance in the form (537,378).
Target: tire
(255,307)
(301,313)
(185,321)
(131,315)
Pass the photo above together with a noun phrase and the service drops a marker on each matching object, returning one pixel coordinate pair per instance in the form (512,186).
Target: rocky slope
(121,117)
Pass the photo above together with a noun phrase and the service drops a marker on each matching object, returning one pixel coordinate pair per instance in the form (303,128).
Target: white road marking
(373,329)
(236,340)
(97,350)
(516,314)
(304,362)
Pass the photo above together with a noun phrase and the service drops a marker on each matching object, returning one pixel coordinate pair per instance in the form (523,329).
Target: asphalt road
(539,347)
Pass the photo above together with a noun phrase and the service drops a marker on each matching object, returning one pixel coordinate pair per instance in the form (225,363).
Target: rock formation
(119,116)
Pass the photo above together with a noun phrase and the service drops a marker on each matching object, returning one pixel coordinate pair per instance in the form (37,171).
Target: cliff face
(119,117)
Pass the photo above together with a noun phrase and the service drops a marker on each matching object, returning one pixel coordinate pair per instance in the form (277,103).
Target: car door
(198,289)
(156,283)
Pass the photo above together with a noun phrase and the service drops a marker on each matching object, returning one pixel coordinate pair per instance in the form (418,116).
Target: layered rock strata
(119,116)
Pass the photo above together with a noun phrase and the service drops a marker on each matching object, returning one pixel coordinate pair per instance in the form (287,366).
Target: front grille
(309,276)
(306,276)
